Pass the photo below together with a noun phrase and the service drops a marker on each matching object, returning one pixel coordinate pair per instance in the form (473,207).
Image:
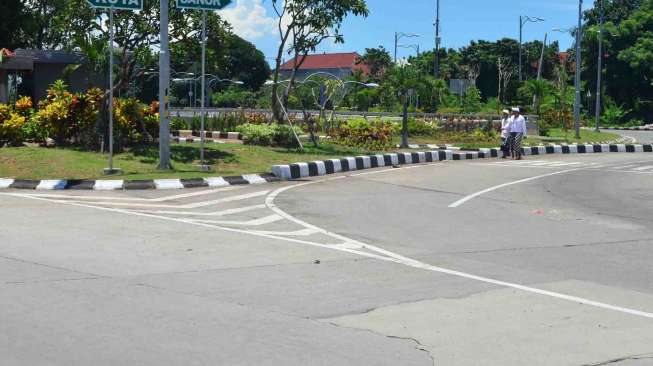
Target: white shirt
(517,124)
(504,127)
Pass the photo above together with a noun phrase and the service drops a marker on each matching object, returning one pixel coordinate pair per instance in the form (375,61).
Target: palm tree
(404,79)
(538,90)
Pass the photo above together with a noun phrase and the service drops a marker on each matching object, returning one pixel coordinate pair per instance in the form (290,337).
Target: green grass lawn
(31,162)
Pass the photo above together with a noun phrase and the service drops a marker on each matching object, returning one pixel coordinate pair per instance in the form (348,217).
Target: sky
(460,22)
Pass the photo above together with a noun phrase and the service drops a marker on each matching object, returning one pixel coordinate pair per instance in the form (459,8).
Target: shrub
(53,118)
(262,135)
(283,135)
(554,119)
(361,133)
(422,128)
(24,106)
(268,135)
(613,114)
(11,124)
(178,123)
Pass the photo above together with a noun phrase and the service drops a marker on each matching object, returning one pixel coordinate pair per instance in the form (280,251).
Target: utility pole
(599,70)
(164,85)
(579,32)
(203,165)
(396,41)
(539,67)
(521,26)
(437,40)
(522,21)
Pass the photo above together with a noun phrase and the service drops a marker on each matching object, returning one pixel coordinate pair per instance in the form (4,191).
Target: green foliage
(422,128)
(359,132)
(471,101)
(535,91)
(233,98)
(269,135)
(11,124)
(377,59)
(178,123)
(613,114)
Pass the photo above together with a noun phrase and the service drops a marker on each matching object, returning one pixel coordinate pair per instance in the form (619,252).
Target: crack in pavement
(418,345)
(51,281)
(49,266)
(543,247)
(616,360)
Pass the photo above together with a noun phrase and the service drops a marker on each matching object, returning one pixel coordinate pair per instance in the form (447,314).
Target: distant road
(644,137)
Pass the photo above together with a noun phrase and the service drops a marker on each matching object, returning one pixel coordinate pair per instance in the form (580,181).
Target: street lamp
(413,46)
(400,35)
(437,39)
(523,19)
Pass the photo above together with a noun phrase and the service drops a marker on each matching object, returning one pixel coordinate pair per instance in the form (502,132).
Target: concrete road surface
(540,262)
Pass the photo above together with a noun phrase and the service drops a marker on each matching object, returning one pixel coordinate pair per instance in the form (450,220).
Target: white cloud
(250,19)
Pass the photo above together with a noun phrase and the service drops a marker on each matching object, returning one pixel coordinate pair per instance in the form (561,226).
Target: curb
(188,134)
(324,167)
(110,185)
(431,146)
(628,128)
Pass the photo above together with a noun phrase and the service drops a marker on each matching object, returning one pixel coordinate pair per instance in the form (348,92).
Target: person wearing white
(505,135)
(517,130)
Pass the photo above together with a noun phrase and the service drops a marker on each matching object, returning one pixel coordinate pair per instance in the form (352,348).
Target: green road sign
(202,4)
(117,4)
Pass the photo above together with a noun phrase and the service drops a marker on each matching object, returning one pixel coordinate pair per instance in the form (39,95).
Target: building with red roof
(340,65)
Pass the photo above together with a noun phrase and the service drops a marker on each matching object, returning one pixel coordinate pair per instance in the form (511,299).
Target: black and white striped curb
(324,167)
(636,128)
(108,185)
(431,146)
(207,134)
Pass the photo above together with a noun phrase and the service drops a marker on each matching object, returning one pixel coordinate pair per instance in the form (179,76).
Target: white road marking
(231,211)
(256,222)
(480,193)
(158,199)
(641,168)
(397,258)
(350,245)
(189,205)
(302,232)
(625,167)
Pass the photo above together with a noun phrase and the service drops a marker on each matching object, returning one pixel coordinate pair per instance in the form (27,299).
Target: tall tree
(378,60)
(627,56)
(405,80)
(12,19)
(303,25)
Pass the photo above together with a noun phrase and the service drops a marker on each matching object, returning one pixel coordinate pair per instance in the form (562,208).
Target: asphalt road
(642,137)
(540,262)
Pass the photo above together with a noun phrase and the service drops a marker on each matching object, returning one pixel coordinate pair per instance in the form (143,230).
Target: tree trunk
(404,125)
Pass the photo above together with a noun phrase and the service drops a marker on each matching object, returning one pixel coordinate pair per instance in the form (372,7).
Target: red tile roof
(329,61)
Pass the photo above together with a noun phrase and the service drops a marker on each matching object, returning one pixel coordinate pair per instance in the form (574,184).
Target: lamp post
(523,19)
(414,46)
(599,69)
(399,36)
(437,39)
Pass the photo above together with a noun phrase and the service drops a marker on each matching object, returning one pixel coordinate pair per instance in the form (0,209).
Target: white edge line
(396,258)
(474,195)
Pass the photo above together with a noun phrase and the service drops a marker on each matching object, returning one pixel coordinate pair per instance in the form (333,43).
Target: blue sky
(461,21)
